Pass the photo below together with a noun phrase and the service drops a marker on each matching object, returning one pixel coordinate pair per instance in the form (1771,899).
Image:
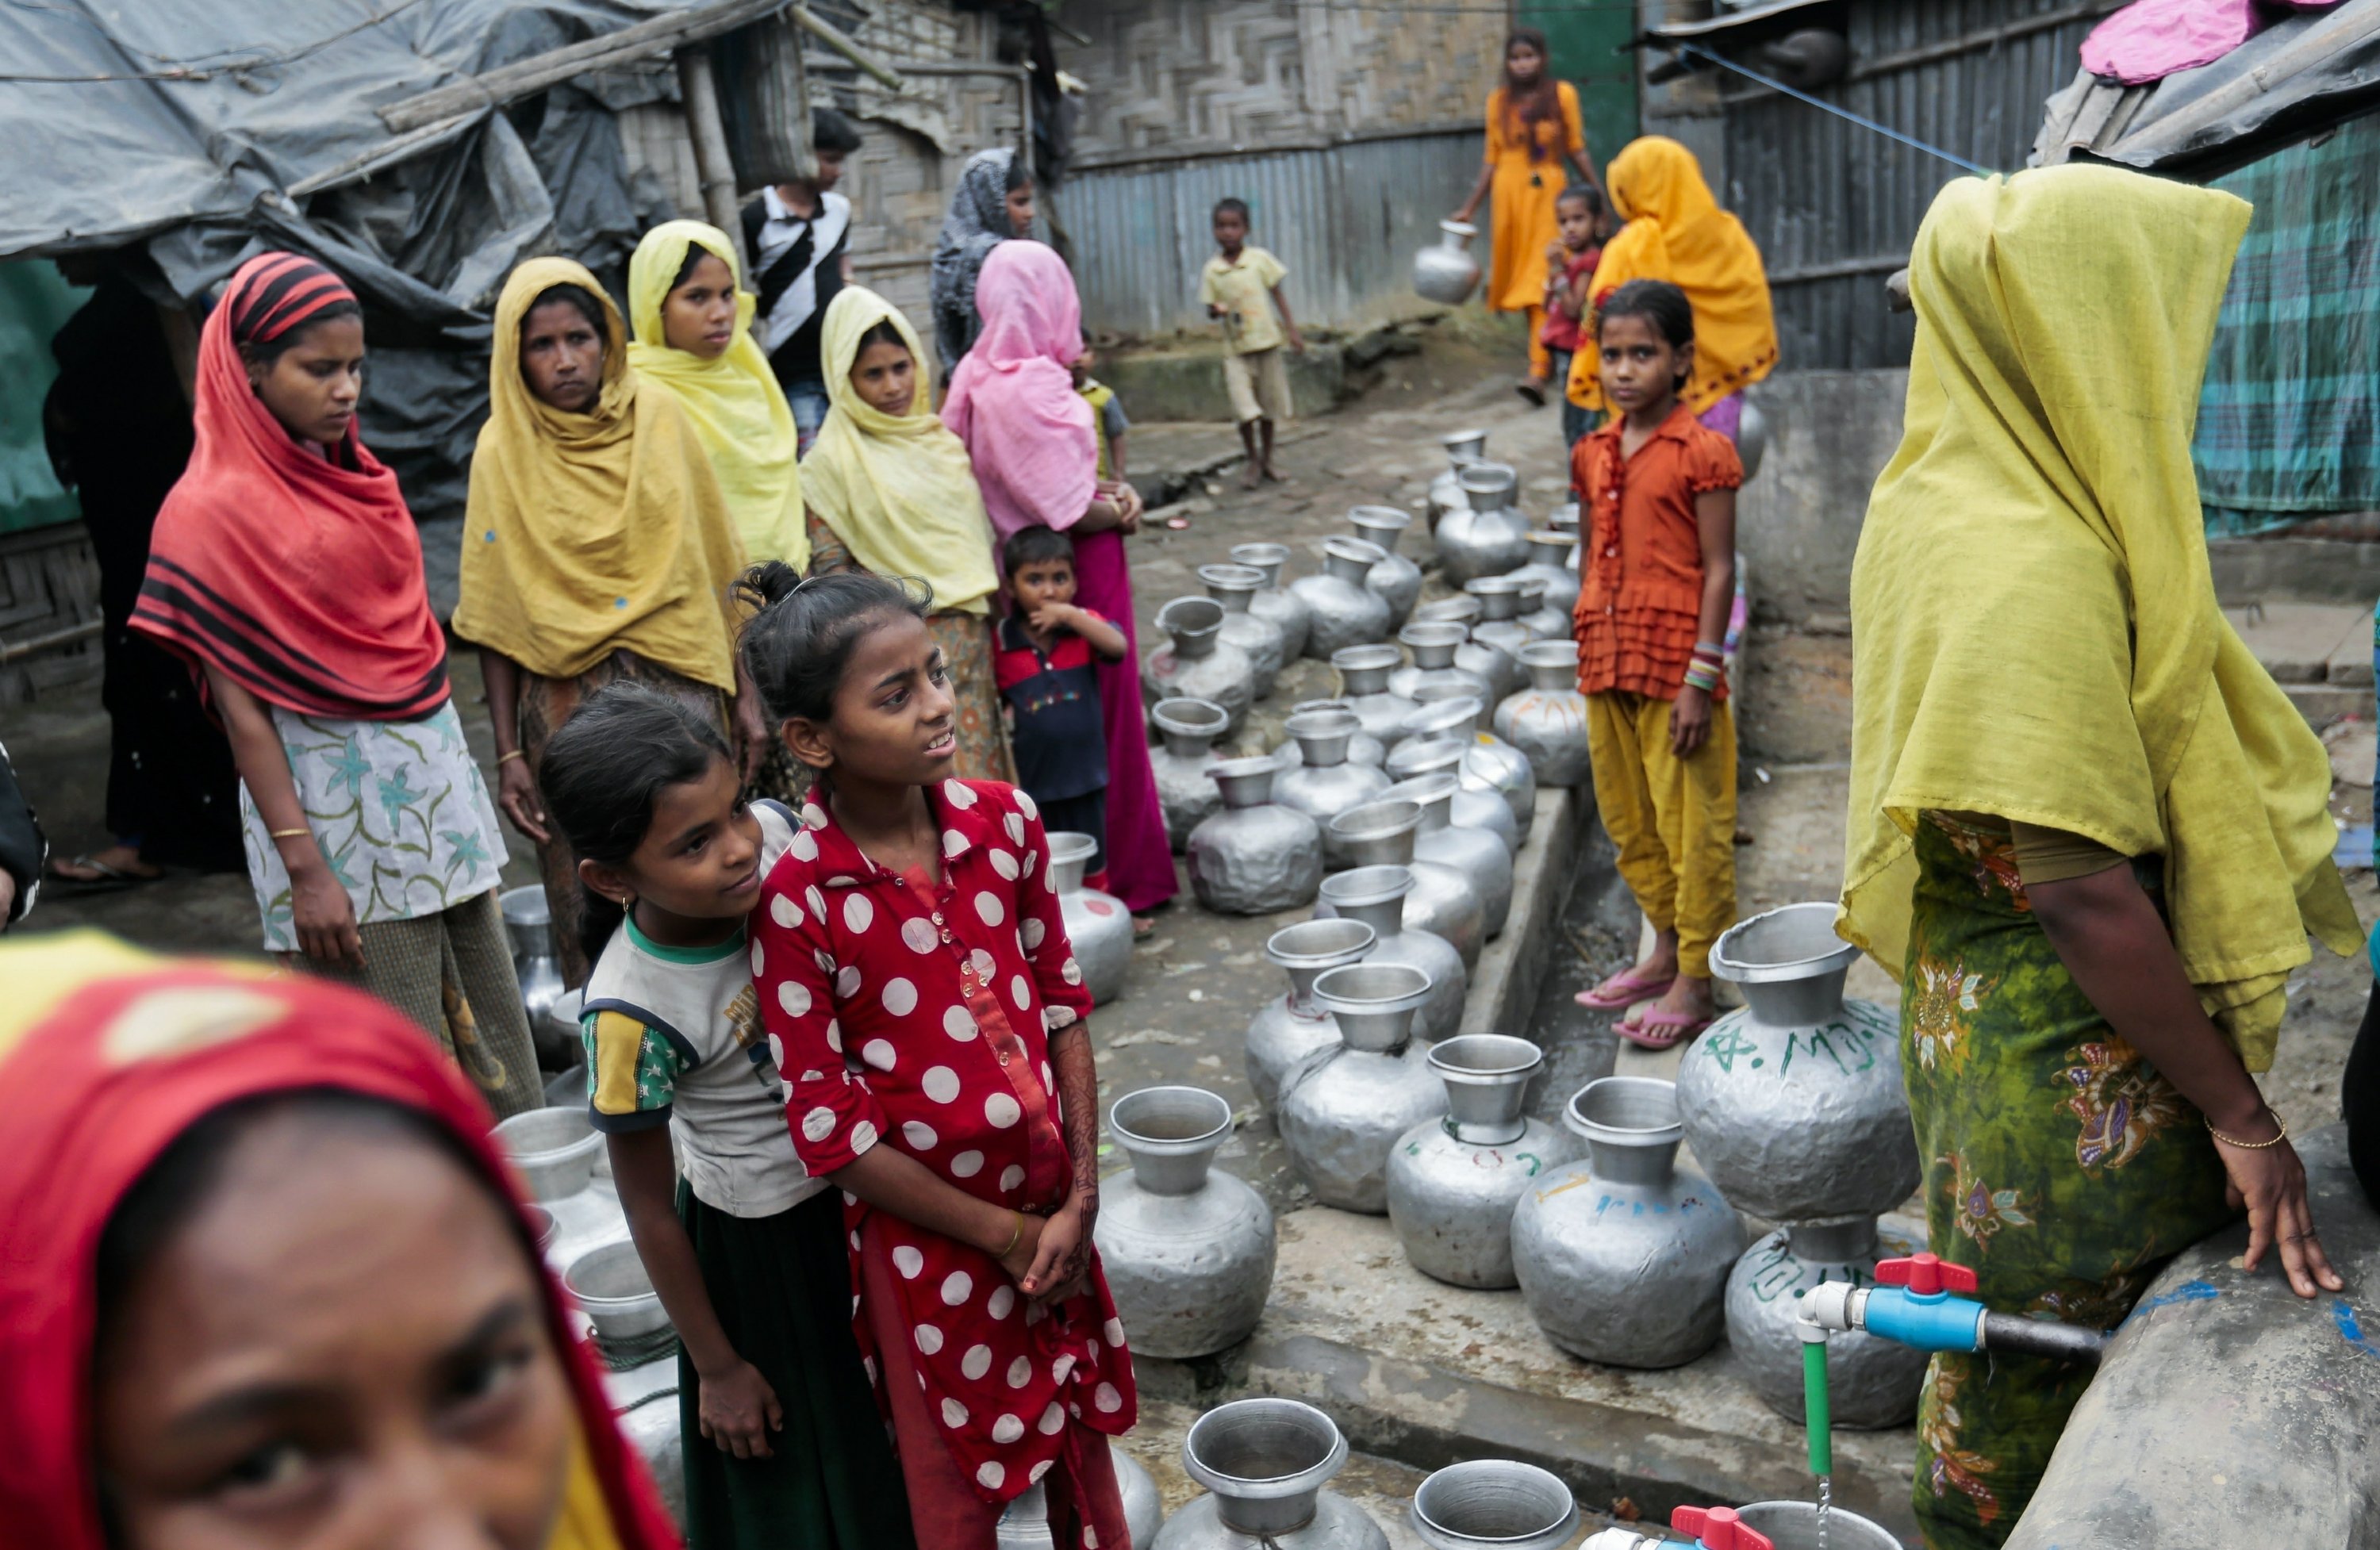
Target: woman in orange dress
(1532,131)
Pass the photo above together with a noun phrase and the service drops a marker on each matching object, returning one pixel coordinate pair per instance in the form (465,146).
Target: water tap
(1912,1304)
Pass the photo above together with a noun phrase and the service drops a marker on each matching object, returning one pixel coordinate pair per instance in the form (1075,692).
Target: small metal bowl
(610,1284)
(555,1149)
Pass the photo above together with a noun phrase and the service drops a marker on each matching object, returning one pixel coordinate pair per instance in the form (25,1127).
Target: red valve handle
(1719,1528)
(1925,1275)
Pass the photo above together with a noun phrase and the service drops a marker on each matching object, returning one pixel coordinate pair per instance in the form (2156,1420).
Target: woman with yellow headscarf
(692,322)
(597,545)
(1677,232)
(893,494)
(2086,830)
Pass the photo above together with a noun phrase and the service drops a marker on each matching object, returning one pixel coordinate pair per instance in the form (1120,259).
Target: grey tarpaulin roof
(180,128)
(2295,78)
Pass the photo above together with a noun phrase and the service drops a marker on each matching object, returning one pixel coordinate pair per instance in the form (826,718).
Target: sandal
(111,880)
(1532,390)
(1143,927)
(1623,989)
(1655,1029)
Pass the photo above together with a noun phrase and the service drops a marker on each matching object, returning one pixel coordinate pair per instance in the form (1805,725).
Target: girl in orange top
(1533,130)
(1657,583)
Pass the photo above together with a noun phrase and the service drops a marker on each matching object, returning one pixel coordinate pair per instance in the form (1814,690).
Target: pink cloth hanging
(2151,39)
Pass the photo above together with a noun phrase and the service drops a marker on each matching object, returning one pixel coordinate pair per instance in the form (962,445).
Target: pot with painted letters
(1255,855)
(1236,588)
(1623,1258)
(1187,730)
(1264,1463)
(1376,896)
(1433,646)
(1293,1028)
(1195,663)
(1871,1383)
(1454,1181)
(1395,578)
(1443,901)
(1794,1102)
(1097,924)
(1479,855)
(1345,612)
(1324,783)
(1546,722)
(1343,1112)
(1273,601)
(1479,808)
(1188,1251)
(1488,537)
(1364,684)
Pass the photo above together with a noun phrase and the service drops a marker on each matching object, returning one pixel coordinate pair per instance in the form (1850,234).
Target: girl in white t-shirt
(746,1249)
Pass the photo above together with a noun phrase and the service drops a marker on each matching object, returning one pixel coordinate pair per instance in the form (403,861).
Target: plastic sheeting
(176,129)
(2289,421)
(33,301)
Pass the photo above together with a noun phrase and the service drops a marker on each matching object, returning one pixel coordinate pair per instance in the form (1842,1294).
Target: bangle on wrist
(1015,1237)
(516,754)
(2280,1127)
(288,833)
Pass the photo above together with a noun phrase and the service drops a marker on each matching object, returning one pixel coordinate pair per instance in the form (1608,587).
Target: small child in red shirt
(1656,504)
(1570,266)
(925,1011)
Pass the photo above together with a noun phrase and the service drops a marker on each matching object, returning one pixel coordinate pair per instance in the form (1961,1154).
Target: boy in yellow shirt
(1241,285)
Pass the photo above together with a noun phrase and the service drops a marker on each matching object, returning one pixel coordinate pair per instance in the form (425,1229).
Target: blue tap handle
(1939,1322)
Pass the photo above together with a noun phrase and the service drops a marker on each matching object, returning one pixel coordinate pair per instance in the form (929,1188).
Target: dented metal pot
(1186,751)
(1265,1464)
(1254,857)
(1273,601)
(1344,612)
(1236,588)
(1343,1113)
(1453,1182)
(1292,1028)
(1395,578)
(1871,1383)
(1098,925)
(1376,895)
(1546,722)
(1188,1251)
(1324,783)
(1195,663)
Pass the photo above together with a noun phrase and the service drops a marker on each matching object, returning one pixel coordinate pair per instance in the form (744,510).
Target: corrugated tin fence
(1834,206)
(1345,218)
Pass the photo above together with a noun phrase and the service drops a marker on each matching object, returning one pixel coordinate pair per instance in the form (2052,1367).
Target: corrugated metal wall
(1345,219)
(1834,206)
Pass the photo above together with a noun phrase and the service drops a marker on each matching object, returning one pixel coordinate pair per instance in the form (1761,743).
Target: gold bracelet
(288,833)
(516,754)
(1014,1238)
(2252,1146)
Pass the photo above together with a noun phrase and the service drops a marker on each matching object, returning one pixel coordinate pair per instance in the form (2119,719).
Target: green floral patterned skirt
(2058,1164)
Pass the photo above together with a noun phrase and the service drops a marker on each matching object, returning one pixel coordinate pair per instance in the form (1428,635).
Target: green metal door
(1585,39)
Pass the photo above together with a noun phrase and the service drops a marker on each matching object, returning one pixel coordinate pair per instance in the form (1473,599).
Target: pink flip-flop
(1622,989)
(1655,1029)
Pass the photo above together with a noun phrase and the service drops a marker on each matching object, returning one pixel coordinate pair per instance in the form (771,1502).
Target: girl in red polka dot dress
(927,1015)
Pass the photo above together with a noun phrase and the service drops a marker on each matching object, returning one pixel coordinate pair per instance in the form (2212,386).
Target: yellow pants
(1672,819)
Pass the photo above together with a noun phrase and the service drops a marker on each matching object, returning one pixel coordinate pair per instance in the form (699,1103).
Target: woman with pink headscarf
(1029,434)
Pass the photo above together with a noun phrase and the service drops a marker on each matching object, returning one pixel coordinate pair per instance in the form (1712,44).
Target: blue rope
(1697,50)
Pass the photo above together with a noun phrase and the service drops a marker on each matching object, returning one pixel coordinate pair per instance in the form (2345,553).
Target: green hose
(1818,1411)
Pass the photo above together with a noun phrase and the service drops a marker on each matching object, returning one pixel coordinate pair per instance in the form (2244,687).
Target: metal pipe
(2033,1337)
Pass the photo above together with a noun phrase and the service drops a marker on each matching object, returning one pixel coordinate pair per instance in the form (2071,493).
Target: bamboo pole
(709,133)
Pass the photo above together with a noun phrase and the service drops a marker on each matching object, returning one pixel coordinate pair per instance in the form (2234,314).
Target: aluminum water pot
(1488,537)
(1292,1028)
(1453,1182)
(1235,586)
(1376,896)
(1492,664)
(1098,925)
(1364,684)
(1794,1102)
(1254,857)
(1872,1382)
(1489,762)
(1551,549)
(1446,490)
(1195,663)
(1186,751)
(1443,901)
(1445,271)
(1395,578)
(1433,646)
(1499,614)
(528,927)
(1343,1113)
(1265,1463)
(1750,438)
(1271,602)
(1345,612)
(1471,808)
(1479,855)
(1362,749)
(1188,1251)
(1025,1523)
(1623,1258)
(1324,784)
(1546,722)
(1541,614)
(1494,1503)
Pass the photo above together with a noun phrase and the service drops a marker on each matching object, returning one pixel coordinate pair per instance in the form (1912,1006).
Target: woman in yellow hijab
(596,546)
(1677,232)
(693,326)
(892,492)
(2086,830)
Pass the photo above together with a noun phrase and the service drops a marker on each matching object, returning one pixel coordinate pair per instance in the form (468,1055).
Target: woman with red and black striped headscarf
(287,572)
